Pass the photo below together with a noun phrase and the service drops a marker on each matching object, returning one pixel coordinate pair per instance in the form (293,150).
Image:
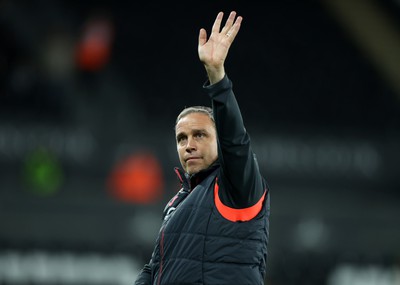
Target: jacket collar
(189,182)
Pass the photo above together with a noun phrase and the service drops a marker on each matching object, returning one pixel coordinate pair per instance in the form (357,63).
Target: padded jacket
(215,229)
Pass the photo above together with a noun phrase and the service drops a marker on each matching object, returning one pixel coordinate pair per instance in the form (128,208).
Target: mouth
(191,158)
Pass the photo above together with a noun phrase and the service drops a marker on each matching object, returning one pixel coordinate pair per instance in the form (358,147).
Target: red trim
(235,215)
(178,174)
(173,200)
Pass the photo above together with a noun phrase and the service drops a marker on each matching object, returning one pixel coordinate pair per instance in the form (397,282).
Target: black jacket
(215,229)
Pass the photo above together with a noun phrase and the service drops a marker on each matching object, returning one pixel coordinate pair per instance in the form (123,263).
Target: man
(215,229)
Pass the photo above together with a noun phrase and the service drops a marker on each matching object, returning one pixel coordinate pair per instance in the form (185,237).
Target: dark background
(321,104)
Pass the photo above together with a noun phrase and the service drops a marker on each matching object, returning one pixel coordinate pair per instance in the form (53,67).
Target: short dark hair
(196,109)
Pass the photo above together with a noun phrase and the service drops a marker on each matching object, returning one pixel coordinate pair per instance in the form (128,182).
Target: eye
(180,138)
(200,135)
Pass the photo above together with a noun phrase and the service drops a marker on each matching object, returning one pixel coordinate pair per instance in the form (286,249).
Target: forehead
(194,121)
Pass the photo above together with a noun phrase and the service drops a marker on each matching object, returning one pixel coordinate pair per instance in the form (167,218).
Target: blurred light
(94,49)
(334,157)
(75,146)
(144,233)
(347,274)
(42,173)
(137,178)
(311,234)
(40,267)
(58,57)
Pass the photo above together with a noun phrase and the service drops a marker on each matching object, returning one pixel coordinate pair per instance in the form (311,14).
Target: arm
(238,162)
(144,277)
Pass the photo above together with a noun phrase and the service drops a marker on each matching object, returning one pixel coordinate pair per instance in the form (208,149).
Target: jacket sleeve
(241,176)
(144,277)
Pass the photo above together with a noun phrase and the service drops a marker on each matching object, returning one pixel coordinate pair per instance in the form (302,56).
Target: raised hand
(214,50)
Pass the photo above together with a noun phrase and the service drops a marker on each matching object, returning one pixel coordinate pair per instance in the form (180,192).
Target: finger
(202,37)
(229,22)
(217,23)
(232,32)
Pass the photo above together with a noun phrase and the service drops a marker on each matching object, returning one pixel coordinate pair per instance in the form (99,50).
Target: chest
(189,212)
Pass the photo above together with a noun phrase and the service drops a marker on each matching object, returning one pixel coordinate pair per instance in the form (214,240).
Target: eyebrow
(180,134)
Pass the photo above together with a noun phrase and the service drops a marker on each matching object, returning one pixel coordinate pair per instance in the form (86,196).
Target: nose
(191,145)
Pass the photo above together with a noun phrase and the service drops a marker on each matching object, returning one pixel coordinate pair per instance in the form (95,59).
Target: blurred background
(89,93)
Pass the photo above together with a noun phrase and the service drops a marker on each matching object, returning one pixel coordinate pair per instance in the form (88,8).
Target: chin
(192,170)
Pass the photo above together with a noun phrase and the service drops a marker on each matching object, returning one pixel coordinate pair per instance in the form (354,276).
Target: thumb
(202,37)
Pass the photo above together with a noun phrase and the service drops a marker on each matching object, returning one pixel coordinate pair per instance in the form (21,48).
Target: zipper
(161,256)
(160,270)
(183,180)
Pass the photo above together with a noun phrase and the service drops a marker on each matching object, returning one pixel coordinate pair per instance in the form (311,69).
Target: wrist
(215,74)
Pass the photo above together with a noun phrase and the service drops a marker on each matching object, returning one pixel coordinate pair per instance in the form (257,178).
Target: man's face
(196,142)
